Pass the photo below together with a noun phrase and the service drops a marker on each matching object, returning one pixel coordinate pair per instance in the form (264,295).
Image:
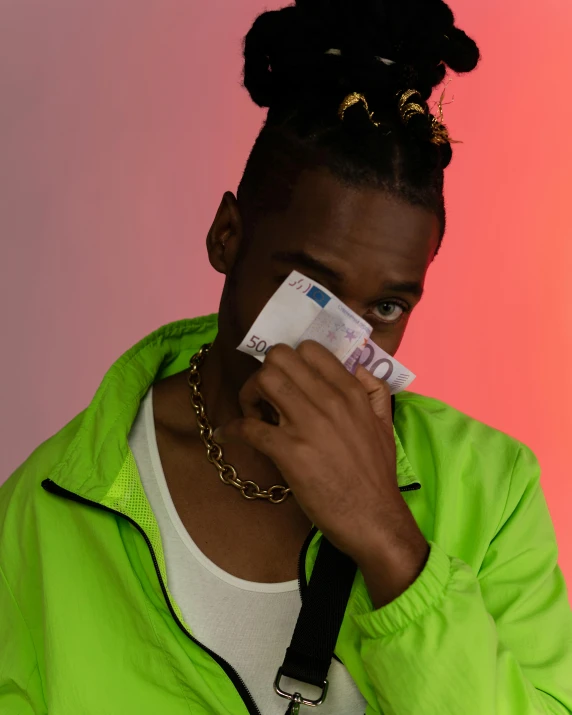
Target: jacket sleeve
(20,685)
(494,643)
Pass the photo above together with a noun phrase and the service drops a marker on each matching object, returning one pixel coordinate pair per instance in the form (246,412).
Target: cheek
(249,289)
(389,338)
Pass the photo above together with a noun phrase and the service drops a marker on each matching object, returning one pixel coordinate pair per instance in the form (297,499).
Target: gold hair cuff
(407,110)
(355,98)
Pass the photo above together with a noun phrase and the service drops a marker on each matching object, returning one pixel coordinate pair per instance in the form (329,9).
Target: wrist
(390,562)
(385,533)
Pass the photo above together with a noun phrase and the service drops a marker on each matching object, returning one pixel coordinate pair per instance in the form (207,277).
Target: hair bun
(285,58)
(263,45)
(460,53)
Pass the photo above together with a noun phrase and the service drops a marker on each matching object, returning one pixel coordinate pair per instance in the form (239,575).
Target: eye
(390,311)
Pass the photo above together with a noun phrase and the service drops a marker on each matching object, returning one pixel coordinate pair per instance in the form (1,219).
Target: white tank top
(248,624)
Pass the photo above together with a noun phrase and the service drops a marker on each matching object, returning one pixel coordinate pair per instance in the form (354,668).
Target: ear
(225,235)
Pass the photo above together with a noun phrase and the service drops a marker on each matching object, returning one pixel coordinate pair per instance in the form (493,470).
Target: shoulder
(473,476)
(435,433)
(444,421)
(24,485)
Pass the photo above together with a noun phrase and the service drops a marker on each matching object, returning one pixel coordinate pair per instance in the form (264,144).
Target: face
(370,249)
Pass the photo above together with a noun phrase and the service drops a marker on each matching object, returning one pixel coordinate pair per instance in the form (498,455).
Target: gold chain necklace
(227,473)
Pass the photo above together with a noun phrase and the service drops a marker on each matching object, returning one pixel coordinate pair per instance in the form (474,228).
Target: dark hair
(303,60)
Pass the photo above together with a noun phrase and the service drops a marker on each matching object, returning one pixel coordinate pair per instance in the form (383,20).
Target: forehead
(358,231)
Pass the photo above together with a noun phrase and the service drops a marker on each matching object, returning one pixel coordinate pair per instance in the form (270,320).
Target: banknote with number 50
(302,309)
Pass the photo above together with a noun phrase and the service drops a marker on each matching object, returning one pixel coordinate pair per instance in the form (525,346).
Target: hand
(333,444)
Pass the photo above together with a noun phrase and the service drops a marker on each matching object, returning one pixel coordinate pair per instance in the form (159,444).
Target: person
(151,549)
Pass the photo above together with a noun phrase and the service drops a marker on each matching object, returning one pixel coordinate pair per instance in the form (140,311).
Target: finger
(259,435)
(272,385)
(253,405)
(378,392)
(301,374)
(326,364)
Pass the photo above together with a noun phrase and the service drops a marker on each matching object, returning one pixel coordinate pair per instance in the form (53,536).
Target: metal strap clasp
(296,699)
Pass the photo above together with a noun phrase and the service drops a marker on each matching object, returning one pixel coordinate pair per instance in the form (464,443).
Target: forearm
(393,556)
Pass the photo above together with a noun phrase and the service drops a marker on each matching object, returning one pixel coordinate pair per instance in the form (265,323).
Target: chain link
(227,473)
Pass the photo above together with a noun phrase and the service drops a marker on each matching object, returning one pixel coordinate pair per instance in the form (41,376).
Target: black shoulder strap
(309,655)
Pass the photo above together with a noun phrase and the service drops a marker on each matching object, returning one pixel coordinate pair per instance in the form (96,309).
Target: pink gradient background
(121,124)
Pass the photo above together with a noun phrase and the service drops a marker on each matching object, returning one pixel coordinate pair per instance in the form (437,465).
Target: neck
(223,373)
(222,377)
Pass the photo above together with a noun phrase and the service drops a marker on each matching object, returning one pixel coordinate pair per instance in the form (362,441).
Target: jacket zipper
(410,487)
(237,681)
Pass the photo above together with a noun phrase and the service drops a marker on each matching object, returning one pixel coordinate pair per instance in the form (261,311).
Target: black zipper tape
(237,681)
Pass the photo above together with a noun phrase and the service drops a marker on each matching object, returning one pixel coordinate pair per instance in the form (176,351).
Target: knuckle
(241,429)
(299,450)
(335,405)
(286,386)
(267,377)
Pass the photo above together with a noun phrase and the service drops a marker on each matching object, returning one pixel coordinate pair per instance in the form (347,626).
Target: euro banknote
(302,309)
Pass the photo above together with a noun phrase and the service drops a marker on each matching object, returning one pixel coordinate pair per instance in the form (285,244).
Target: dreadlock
(303,60)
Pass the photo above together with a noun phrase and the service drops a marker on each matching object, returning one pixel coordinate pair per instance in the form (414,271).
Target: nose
(356,305)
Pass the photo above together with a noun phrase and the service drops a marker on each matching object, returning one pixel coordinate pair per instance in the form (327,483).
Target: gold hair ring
(355,98)
(407,110)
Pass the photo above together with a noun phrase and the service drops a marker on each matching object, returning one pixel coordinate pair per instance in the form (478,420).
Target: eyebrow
(305,260)
(301,259)
(412,287)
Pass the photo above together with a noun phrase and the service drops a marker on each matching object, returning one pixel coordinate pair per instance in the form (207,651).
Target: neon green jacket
(88,627)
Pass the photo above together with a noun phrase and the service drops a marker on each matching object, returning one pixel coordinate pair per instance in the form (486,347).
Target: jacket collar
(100,447)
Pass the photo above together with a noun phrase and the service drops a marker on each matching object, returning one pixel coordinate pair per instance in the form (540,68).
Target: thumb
(378,392)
